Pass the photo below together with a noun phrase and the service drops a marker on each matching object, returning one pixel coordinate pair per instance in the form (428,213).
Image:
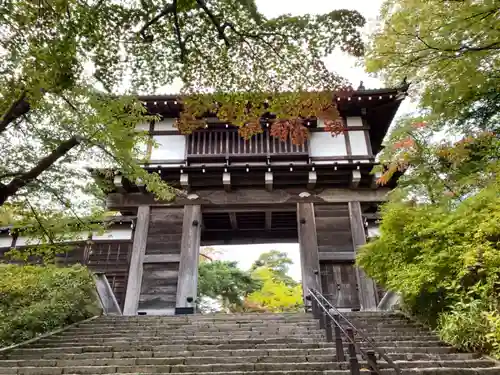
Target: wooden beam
(136,261)
(162,258)
(269,220)
(308,243)
(232,219)
(118,181)
(226,181)
(341,256)
(366,286)
(249,197)
(375,178)
(311,183)
(187,283)
(355,179)
(269,181)
(184,181)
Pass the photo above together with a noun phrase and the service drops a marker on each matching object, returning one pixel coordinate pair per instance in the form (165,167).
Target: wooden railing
(228,144)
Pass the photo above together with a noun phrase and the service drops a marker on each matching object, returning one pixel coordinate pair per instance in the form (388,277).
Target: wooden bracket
(355,179)
(269,181)
(185,181)
(311,183)
(226,181)
(375,177)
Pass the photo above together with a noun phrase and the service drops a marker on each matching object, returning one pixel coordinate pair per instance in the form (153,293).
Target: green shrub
(466,326)
(36,299)
(444,260)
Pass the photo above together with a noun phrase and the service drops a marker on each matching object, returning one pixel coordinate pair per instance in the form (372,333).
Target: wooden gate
(338,281)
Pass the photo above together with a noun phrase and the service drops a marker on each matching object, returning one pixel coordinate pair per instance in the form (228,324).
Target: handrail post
(328,327)
(322,320)
(353,358)
(314,307)
(372,361)
(339,347)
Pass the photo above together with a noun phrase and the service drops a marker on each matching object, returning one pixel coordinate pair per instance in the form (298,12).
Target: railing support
(322,319)
(372,361)
(353,358)
(339,346)
(315,308)
(328,328)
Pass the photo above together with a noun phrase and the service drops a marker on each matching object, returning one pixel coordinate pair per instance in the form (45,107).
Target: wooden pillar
(366,286)
(187,283)
(136,262)
(309,257)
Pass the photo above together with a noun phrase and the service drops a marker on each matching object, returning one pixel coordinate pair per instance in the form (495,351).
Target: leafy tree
(64,62)
(449,51)
(275,295)
(278,263)
(439,233)
(224,281)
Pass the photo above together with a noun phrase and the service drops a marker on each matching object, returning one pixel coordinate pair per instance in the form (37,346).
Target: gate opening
(250,262)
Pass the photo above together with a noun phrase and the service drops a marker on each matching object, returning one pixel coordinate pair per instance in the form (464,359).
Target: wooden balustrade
(228,144)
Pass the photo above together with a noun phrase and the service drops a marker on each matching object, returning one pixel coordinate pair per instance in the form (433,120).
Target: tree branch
(215,22)
(16,110)
(45,163)
(45,231)
(182,43)
(167,8)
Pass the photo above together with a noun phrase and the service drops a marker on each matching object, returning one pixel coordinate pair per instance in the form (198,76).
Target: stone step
(163,331)
(450,362)
(210,350)
(128,367)
(178,338)
(221,354)
(215,340)
(147,333)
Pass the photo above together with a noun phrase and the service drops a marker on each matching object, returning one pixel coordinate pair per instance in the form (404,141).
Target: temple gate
(320,194)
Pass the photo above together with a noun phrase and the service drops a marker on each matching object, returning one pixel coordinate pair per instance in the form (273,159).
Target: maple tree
(438,243)
(71,70)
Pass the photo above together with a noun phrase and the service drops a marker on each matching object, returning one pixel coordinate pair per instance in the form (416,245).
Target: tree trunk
(23,179)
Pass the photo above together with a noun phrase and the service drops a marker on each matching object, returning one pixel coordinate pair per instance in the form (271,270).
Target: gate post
(187,284)
(309,257)
(366,286)
(136,261)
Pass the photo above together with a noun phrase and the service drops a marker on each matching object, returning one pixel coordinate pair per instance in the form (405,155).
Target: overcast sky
(339,62)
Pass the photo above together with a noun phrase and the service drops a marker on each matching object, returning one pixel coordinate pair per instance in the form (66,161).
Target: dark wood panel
(333,224)
(159,286)
(335,239)
(165,231)
(339,284)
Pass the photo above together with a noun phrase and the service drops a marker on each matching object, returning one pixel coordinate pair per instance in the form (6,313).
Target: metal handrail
(354,348)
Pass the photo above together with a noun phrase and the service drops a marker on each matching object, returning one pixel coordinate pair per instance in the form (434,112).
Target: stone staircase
(255,344)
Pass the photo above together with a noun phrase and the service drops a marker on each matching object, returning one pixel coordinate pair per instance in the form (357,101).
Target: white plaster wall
(5,240)
(358,142)
(114,234)
(324,144)
(170,147)
(144,126)
(373,231)
(24,241)
(165,124)
(354,121)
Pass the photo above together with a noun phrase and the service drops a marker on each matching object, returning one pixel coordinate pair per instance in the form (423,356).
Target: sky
(339,62)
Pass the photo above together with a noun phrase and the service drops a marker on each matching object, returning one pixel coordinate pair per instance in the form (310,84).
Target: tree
(278,263)
(275,295)
(64,63)
(224,281)
(438,243)
(435,45)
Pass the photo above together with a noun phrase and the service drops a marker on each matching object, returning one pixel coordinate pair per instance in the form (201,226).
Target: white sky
(344,65)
